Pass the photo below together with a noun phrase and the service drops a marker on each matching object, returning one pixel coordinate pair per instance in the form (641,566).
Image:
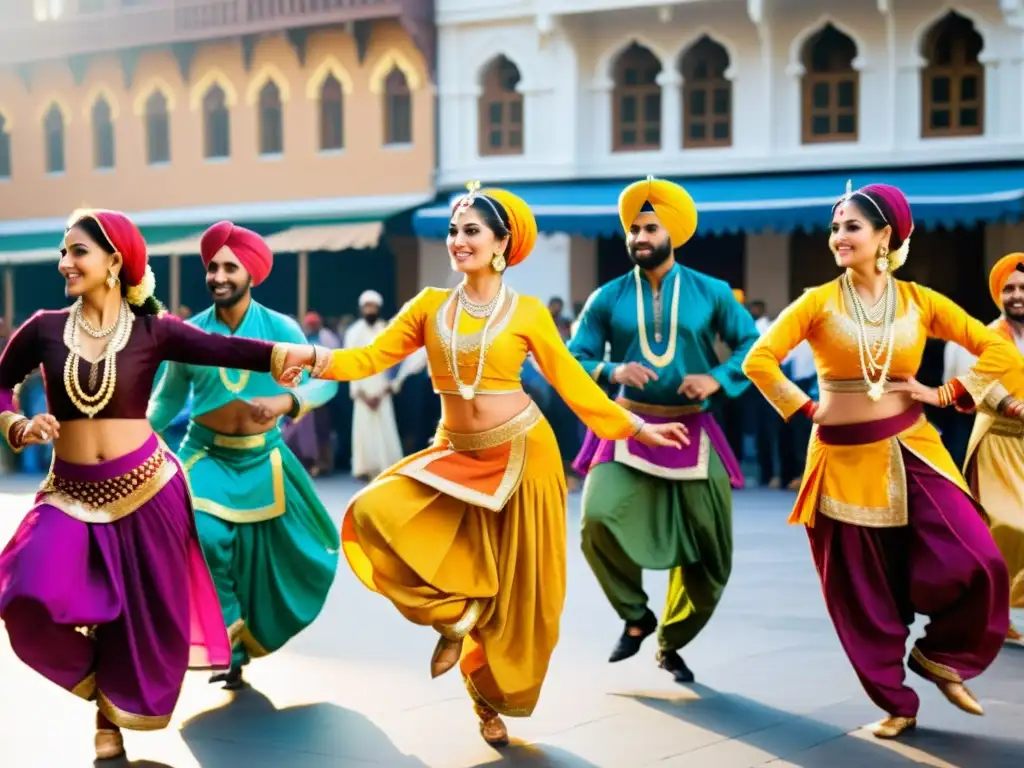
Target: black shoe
(673,663)
(628,644)
(232,679)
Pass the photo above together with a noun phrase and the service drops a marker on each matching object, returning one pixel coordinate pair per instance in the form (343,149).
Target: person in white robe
(375,442)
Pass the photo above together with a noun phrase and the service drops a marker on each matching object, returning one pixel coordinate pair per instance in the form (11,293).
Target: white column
(671,83)
(303,267)
(174,281)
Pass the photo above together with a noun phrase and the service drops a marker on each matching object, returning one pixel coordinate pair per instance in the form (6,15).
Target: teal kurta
(270,543)
(635,519)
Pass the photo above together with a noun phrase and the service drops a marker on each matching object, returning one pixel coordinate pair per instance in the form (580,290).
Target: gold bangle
(278,357)
(12,427)
(321,361)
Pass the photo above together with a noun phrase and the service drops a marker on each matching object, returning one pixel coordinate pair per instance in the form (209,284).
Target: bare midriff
(92,441)
(857,408)
(482,413)
(234,418)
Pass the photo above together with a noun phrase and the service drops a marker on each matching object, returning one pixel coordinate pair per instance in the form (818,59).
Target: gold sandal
(960,697)
(892,727)
(446,655)
(109,744)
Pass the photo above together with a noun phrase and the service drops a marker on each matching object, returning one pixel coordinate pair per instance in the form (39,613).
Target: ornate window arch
(500,108)
(953,78)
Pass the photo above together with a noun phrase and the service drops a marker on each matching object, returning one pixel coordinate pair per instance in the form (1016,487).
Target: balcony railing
(33,30)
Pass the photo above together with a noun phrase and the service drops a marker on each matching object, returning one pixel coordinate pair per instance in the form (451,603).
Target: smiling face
(85,264)
(471,243)
(648,242)
(226,279)
(854,240)
(1013,296)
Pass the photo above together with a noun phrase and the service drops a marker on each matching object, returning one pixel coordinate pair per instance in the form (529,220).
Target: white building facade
(762,108)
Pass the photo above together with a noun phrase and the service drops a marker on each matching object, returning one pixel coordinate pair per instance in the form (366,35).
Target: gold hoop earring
(112,279)
(498,262)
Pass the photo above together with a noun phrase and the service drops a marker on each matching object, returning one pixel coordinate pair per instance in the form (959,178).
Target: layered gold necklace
(875,353)
(119,334)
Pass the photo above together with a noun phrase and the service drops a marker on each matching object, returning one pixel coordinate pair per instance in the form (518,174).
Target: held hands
(673,435)
(917,391)
(43,428)
(699,386)
(633,375)
(298,359)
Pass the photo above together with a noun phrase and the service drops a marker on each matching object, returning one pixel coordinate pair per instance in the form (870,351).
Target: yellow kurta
(468,536)
(866,484)
(995,469)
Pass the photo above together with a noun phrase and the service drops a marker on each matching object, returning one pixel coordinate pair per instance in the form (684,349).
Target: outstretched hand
(673,435)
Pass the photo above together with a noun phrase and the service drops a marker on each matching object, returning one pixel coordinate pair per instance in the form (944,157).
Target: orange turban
(673,205)
(249,248)
(1000,273)
(522,225)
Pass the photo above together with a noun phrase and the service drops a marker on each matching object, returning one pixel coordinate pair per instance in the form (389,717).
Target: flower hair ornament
(137,294)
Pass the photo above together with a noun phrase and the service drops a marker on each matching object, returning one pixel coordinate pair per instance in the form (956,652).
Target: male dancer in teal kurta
(271,546)
(658,508)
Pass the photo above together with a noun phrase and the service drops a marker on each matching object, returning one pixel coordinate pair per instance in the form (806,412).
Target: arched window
(102,135)
(332,114)
(953,81)
(397,108)
(5,149)
(636,112)
(216,123)
(158,129)
(271,120)
(707,96)
(830,87)
(53,127)
(501,110)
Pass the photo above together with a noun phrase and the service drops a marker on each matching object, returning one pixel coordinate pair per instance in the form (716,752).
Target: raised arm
(998,359)
(19,358)
(593,331)
(169,396)
(735,326)
(181,342)
(763,364)
(402,336)
(607,419)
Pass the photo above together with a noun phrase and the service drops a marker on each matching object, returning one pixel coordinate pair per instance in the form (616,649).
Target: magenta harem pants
(944,564)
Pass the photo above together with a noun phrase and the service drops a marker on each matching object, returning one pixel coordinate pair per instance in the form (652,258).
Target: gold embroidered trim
(240,442)
(241,516)
(87,688)
(239,633)
(994,397)
(669,354)
(133,722)
(107,501)
(936,670)
(663,411)
(698,471)
(977,386)
(785,397)
(852,386)
(278,357)
(7,421)
(469,343)
(459,629)
(1006,427)
(896,515)
(518,425)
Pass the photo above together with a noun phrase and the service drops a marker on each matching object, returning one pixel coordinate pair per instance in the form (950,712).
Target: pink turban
(248,247)
(895,207)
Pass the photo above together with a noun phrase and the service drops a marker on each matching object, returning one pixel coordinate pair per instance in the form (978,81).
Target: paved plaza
(774,688)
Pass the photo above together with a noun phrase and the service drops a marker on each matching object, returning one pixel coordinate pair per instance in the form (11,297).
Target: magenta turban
(248,247)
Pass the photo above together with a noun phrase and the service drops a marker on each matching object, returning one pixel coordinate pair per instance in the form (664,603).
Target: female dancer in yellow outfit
(468,536)
(891,523)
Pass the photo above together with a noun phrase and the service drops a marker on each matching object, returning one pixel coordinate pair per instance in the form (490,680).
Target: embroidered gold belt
(852,386)
(106,501)
(1004,427)
(663,411)
(518,425)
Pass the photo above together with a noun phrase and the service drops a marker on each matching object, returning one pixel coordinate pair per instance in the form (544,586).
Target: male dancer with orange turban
(269,541)
(995,454)
(662,508)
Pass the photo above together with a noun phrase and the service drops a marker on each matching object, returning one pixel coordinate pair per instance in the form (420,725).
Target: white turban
(370,297)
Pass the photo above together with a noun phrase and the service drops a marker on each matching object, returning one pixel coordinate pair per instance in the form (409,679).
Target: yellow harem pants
(468,536)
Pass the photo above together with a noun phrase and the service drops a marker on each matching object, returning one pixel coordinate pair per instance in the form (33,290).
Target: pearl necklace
(468,391)
(479,311)
(875,359)
(92,404)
